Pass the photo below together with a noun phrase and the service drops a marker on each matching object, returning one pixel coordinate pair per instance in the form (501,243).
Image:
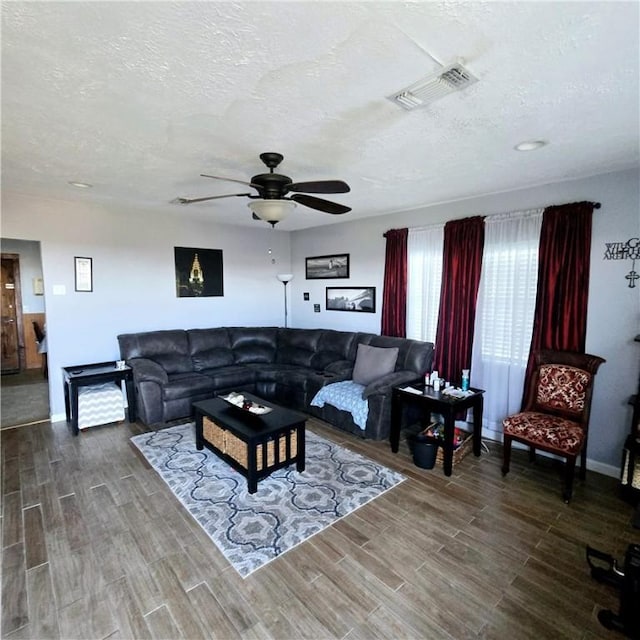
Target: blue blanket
(347,396)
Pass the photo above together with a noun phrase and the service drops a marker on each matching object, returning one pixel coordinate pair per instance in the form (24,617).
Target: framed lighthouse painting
(198,272)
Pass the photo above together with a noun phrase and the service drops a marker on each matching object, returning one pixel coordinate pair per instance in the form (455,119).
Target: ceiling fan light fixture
(272,204)
(272,211)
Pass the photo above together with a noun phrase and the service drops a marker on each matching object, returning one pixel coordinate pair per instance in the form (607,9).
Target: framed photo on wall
(361,299)
(321,267)
(198,272)
(83,273)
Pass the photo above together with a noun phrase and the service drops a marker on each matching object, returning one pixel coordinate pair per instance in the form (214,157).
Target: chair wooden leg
(569,471)
(583,465)
(532,454)
(506,455)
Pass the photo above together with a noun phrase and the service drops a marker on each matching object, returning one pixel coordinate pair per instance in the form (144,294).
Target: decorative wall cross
(629,250)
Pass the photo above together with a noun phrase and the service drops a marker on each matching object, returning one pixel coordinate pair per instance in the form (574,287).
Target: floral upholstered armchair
(555,416)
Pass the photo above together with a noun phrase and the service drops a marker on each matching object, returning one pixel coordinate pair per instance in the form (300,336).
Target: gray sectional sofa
(174,368)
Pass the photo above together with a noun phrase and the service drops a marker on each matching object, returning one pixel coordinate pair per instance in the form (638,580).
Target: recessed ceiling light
(80,185)
(530,145)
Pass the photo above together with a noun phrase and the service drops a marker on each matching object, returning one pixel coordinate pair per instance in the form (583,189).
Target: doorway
(12,330)
(25,388)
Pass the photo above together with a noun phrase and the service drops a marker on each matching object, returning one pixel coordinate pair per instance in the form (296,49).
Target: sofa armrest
(145,370)
(384,385)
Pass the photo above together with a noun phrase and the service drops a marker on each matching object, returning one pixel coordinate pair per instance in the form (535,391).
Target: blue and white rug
(288,508)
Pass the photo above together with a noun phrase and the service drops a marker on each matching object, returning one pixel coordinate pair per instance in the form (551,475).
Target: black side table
(430,401)
(84,375)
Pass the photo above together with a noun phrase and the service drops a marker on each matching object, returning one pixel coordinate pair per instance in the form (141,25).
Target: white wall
(134,276)
(30,268)
(614,308)
(365,245)
(132,255)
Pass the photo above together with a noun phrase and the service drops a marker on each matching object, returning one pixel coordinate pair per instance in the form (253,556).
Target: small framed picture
(361,299)
(83,273)
(316,308)
(324,267)
(305,295)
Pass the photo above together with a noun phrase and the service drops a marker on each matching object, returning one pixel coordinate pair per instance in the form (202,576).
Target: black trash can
(425,450)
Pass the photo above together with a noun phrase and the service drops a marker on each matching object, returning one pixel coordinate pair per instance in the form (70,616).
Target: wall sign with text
(83,273)
(629,250)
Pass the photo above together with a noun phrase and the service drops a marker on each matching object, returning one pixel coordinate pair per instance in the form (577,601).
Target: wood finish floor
(94,545)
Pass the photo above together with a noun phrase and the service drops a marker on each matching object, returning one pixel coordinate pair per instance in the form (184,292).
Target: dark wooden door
(11,313)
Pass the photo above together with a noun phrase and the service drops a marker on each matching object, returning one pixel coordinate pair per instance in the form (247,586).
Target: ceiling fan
(271,203)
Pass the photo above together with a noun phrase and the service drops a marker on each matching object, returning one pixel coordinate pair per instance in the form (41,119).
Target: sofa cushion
(298,377)
(185,385)
(297,346)
(253,344)
(373,363)
(210,348)
(413,355)
(269,372)
(236,375)
(334,346)
(170,349)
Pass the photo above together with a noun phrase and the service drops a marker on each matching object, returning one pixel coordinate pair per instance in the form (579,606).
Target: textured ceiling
(139,98)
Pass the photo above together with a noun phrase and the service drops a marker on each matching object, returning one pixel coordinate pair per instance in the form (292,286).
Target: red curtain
(560,320)
(394,299)
(461,266)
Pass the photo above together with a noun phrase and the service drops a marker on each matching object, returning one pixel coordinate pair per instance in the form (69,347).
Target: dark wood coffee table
(254,445)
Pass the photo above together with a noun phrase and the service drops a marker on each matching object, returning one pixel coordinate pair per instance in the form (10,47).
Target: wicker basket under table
(253,445)
(458,453)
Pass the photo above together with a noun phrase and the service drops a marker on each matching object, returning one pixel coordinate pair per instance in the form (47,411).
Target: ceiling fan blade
(206,175)
(320,204)
(320,186)
(191,200)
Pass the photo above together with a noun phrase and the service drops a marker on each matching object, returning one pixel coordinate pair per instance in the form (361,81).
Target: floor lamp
(285,278)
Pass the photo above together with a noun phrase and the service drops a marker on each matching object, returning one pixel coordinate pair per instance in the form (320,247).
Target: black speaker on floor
(604,568)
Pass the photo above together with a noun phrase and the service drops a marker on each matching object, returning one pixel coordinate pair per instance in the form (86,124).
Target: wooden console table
(430,401)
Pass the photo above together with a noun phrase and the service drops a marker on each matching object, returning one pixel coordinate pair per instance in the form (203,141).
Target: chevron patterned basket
(100,404)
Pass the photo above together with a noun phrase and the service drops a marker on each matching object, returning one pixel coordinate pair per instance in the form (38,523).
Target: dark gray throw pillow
(373,363)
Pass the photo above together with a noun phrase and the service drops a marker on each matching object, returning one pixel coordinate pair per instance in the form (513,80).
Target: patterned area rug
(288,508)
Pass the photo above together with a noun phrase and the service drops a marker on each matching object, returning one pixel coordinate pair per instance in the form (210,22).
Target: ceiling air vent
(448,80)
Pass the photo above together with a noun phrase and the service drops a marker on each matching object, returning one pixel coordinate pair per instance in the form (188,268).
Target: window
(505,311)
(506,301)
(424,279)
(505,306)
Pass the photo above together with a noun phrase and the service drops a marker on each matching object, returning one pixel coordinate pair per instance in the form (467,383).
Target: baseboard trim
(23,424)
(592,465)
(604,469)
